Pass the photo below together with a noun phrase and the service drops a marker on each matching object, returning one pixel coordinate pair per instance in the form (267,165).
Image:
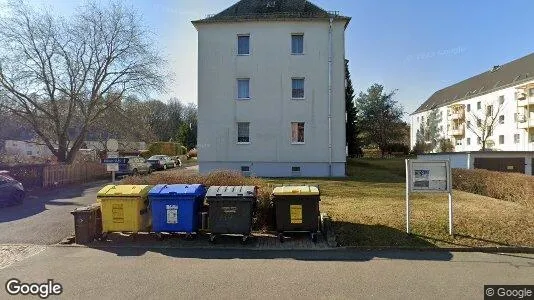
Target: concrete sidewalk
(119,273)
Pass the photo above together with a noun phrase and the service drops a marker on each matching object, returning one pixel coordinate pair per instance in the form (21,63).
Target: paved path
(45,219)
(119,273)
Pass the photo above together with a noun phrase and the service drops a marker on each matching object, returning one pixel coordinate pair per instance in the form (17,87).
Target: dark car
(11,191)
(134,165)
(161,162)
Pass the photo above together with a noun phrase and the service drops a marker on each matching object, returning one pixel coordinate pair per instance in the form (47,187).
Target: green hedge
(165,148)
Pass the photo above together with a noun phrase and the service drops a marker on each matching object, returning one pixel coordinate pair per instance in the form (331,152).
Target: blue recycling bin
(175,207)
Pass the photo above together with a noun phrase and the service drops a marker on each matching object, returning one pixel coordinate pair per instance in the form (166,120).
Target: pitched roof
(247,10)
(497,78)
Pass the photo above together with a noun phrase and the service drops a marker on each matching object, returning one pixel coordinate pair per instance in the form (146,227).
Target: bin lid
(177,189)
(305,190)
(232,191)
(124,190)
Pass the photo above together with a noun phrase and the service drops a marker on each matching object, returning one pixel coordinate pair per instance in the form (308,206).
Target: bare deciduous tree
(61,75)
(483,121)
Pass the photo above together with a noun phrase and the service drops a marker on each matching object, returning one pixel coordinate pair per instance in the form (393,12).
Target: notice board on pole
(429,176)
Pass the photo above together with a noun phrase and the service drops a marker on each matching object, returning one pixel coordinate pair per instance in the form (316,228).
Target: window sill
(298,99)
(298,143)
(298,54)
(243,54)
(242,99)
(243,143)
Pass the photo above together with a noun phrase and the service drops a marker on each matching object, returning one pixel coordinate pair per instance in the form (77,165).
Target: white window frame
(517,138)
(303,89)
(304,133)
(237,88)
(291,43)
(249,44)
(237,133)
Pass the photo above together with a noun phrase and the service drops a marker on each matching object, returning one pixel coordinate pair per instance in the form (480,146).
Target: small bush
(165,148)
(514,187)
(263,220)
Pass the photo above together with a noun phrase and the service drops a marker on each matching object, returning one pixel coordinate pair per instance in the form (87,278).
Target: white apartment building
(504,94)
(271,88)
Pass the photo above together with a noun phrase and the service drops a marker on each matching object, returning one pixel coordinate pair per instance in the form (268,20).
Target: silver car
(133,165)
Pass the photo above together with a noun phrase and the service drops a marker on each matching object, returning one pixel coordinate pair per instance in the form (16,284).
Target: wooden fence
(47,176)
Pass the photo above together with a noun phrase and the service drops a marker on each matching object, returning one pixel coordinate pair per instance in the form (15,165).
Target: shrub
(192,153)
(513,187)
(165,148)
(263,219)
(446,145)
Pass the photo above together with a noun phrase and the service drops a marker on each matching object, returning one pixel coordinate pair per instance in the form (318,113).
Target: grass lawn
(368,209)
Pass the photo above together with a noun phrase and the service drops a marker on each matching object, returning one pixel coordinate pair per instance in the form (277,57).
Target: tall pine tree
(353,143)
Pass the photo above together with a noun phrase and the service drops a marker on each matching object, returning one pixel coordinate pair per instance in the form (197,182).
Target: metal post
(113,176)
(407,198)
(451,232)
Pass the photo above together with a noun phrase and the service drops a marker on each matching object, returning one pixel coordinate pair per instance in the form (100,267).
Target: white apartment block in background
(505,92)
(271,89)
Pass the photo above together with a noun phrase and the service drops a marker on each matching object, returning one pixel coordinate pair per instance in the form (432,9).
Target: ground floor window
(297,132)
(516,138)
(243,132)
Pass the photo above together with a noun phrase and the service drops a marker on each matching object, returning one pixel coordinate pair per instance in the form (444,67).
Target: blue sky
(414,46)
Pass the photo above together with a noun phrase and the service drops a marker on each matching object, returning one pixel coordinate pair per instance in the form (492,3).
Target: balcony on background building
(525,94)
(457,111)
(525,121)
(457,130)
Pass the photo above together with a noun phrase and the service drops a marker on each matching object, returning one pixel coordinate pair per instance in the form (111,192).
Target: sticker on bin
(118,213)
(296,214)
(229,209)
(172,214)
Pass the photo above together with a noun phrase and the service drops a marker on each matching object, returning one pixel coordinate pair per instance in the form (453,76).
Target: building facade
(271,86)
(493,110)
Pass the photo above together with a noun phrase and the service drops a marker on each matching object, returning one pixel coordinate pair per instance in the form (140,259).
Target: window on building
(501,99)
(458,142)
(295,169)
(516,138)
(501,119)
(245,169)
(531,92)
(531,137)
(479,105)
(479,122)
(468,107)
(501,139)
(515,117)
(243,44)
(479,141)
(297,88)
(468,141)
(297,43)
(243,132)
(28,153)
(489,110)
(297,132)
(417,119)
(468,124)
(243,88)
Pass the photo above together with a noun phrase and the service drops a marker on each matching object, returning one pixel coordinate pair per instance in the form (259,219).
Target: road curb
(527,250)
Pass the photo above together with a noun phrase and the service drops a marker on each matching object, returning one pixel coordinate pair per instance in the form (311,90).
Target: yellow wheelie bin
(124,208)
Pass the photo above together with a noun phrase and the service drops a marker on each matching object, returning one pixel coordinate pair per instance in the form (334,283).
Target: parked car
(11,191)
(161,162)
(134,165)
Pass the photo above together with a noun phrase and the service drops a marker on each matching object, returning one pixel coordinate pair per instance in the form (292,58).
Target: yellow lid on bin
(296,190)
(124,190)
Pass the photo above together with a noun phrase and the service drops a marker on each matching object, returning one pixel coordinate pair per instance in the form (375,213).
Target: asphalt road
(119,273)
(45,218)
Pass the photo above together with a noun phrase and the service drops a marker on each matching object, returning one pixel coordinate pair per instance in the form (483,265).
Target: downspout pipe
(330,53)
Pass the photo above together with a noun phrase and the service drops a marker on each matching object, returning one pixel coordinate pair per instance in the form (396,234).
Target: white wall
(270,110)
(508,129)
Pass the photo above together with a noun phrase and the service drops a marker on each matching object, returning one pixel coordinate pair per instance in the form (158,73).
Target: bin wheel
(213,239)
(160,236)
(281,237)
(103,237)
(314,237)
(244,240)
(191,236)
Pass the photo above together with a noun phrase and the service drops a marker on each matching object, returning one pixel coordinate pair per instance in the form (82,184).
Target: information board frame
(426,166)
